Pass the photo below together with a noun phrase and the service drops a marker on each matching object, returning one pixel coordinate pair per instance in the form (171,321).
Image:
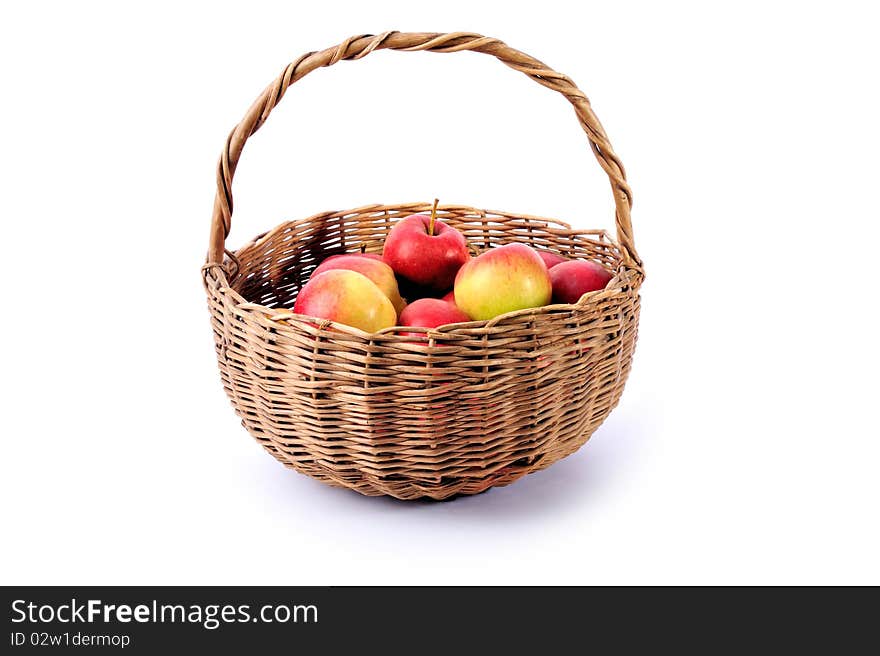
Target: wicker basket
(469,407)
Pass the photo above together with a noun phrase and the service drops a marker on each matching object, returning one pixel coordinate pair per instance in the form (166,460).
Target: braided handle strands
(360,46)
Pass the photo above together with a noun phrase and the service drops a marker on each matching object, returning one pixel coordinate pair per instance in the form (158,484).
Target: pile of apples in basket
(429,262)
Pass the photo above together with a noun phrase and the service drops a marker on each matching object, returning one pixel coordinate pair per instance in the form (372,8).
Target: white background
(745,448)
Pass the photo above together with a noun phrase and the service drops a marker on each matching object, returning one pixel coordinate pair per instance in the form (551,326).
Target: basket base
(438,491)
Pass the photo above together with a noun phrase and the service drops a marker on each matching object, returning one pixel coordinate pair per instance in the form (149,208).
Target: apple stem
(433,217)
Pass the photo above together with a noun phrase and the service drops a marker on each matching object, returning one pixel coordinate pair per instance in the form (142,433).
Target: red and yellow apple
(346,297)
(372,267)
(503,279)
(425,251)
(573,279)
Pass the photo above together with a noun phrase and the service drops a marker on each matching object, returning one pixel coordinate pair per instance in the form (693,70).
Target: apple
(346,297)
(449,296)
(552,259)
(425,251)
(372,267)
(430,313)
(503,279)
(573,279)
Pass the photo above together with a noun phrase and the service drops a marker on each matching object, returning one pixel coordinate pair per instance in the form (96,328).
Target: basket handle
(360,46)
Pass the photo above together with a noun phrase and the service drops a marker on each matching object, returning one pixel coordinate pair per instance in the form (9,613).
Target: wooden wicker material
(466,408)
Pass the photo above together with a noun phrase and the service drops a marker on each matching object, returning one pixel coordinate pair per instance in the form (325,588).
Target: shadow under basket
(469,406)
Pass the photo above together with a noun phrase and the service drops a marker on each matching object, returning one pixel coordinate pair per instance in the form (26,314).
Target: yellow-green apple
(425,251)
(430,313)
(573,279)
(551,259)
(346,297)
(372,267)
(503,279)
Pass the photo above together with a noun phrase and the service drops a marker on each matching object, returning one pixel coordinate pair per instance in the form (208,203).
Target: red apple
(551,259)
(573,279)
(449,297)
(372,267)
(425,251)
(346,297)
(430,313)
(503,279)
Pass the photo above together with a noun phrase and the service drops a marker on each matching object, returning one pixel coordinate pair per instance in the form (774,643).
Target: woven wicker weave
(467,408)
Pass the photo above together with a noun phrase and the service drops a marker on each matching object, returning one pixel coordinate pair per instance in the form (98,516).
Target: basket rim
(627,279)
